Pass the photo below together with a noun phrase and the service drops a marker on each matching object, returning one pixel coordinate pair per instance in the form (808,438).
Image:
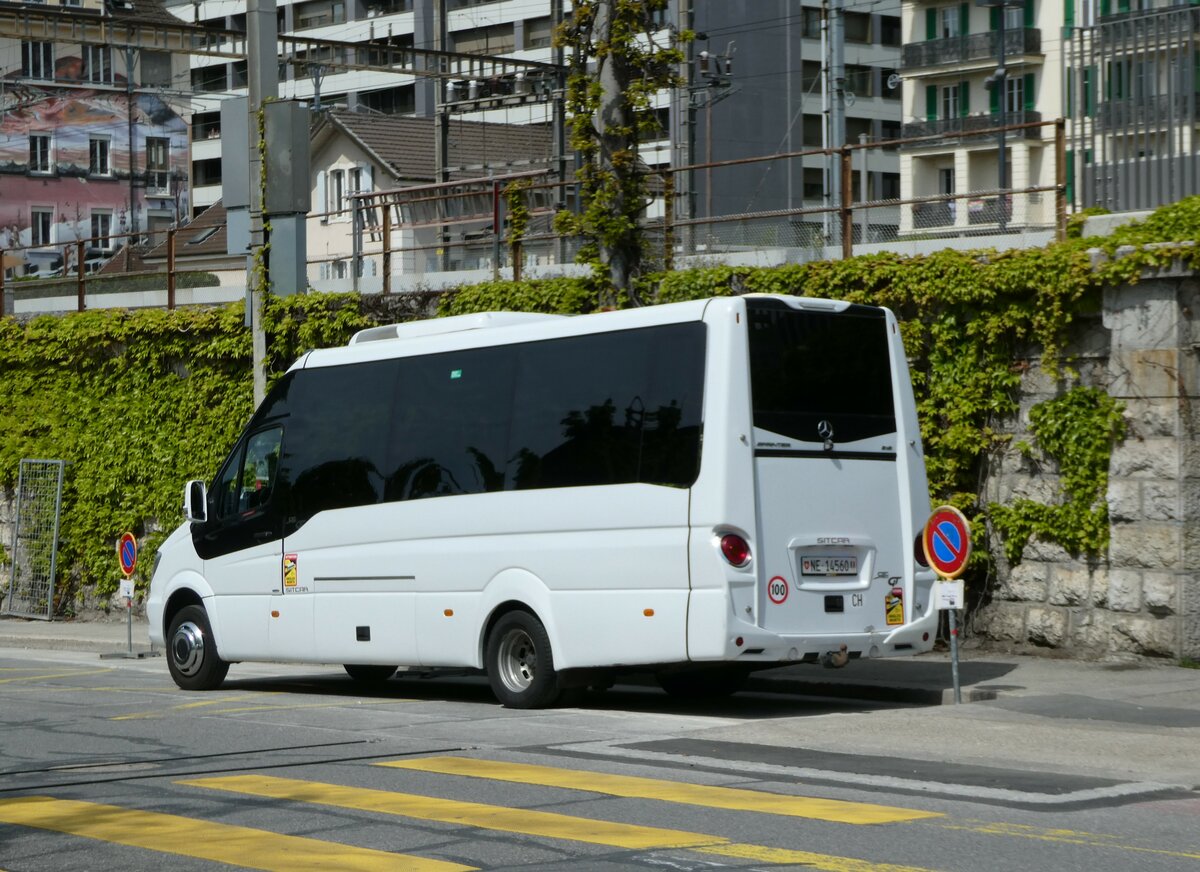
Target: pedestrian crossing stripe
(206,840)
(738,799)
(530,822)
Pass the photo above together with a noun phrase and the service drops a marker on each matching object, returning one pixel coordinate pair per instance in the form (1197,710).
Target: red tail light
(735,549)
(919,551)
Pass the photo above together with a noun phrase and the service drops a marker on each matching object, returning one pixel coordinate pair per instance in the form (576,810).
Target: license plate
(829,566)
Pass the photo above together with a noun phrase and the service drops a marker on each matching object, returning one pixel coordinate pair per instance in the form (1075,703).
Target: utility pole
(833,97)
(262,38)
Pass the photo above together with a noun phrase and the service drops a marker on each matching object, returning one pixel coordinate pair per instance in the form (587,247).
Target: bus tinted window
(452,419)
(335,437)
(810,366)
(609,408)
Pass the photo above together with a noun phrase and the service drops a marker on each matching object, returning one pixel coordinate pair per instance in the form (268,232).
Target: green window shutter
(1122,5)
(964,99)
(994,18)
(1069,13)
(1070,174)
(964,19)
(1105,8)
(994,99)
(1029,19)
(931,103)
(931,30)
(1030,103)
(1089,97)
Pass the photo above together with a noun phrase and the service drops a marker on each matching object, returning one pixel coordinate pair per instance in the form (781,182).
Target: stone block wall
(1143,597)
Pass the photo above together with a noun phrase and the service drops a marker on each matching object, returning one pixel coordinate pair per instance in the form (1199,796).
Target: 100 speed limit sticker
(777,589)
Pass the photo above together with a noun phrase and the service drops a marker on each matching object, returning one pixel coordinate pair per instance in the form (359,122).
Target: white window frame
(41,226)
(101,228)
(97,64)
(158,176)
(37,59)
(950,23)
(41,159)
(100,156)
(337,192)
(949,102)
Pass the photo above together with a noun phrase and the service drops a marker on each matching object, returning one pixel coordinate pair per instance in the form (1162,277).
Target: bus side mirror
(195,501)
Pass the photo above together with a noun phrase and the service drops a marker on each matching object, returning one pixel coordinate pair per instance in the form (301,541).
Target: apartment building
(774,99)
(1123,73)
(93,136)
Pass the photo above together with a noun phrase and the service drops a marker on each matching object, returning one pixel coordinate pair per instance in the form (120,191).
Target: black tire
(369,674)
(708,683)
(192,653)
(520,664)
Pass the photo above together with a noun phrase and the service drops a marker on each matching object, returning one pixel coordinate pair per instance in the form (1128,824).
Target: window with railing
(158,165)
(37,60)
(211,78)
(493,40)
(375,8)
(539,32)
(319,13)
(41,160)
(206,125)
(156,68)
(857,26)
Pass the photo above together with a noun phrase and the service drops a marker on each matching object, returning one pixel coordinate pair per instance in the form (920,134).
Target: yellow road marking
(221,843)
(49,675)
(1064,836)
(162,713)
(527,821)
(789,857)
(489,817)
(668,791)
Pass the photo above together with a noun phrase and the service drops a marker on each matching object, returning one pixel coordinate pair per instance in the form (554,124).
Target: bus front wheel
(520,664)
(192,651)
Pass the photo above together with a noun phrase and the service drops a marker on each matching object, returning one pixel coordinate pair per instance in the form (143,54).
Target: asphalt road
(107,765)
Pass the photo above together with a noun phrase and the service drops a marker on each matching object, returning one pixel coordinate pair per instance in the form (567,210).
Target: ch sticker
(290,572)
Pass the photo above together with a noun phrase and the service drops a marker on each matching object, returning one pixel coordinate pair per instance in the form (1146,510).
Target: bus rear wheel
(520,664)
(192,651)
(369,674)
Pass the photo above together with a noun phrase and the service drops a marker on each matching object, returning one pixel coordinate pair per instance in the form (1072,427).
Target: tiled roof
(203,237)
(142,11)
(405,144)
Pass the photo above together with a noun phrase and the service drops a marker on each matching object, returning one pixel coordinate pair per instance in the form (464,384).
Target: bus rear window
(812,366)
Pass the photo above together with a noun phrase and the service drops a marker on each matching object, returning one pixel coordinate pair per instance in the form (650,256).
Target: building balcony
(1160,111)
(974,47)
(954,129)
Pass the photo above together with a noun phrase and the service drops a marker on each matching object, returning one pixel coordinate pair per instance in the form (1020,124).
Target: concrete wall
(1143,597)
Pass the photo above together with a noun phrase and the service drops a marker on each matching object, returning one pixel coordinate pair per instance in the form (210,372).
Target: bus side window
(258,470)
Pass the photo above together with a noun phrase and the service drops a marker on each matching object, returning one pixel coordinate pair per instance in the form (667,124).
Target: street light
(999,82)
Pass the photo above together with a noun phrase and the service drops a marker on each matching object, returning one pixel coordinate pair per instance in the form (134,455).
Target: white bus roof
(452,324)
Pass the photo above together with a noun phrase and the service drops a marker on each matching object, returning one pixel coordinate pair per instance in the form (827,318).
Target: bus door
(241,544)
(831,535)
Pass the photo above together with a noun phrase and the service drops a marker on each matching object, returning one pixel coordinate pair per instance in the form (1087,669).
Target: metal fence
(34,557)
(779,208)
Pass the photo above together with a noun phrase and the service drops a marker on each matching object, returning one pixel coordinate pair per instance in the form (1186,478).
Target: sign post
(947,543)
(127,553)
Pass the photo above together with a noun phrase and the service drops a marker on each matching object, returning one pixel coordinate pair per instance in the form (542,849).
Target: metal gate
(35,540)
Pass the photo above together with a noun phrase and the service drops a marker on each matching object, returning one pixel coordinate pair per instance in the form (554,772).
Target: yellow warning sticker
(290,573)
(893,607)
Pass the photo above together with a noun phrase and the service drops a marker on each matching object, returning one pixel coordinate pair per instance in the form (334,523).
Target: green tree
(610,110)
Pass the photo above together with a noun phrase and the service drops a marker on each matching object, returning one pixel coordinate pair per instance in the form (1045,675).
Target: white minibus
(695,490)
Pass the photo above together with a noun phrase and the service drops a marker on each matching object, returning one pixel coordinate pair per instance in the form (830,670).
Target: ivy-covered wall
(138,402)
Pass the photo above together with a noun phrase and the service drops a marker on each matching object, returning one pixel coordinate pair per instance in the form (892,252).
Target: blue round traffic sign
(947,541)
(127,549)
